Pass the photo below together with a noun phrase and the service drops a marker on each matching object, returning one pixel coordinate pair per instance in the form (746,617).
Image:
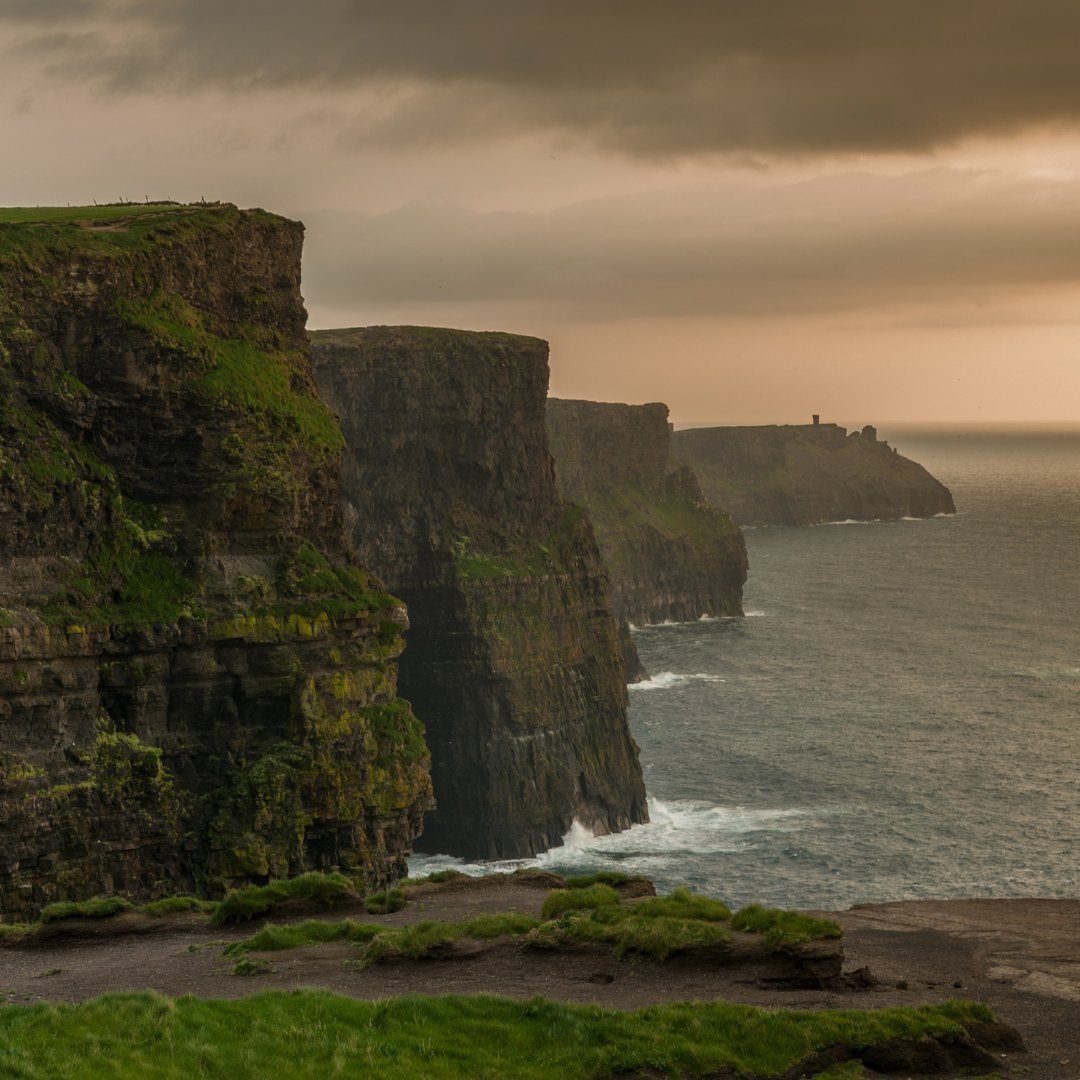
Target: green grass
(242,905)
(385,903)
(657,937)
(429,937)
(657,927)
(171,905)
(559,901)
(276,938)
(782,929)
(682,904)
(603,877)
(245,370)
(317,1035)
(84,909)
(65,215)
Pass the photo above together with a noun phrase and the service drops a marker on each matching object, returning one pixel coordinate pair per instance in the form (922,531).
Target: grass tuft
(171,905)
(241,905)
(84,909)
(683,904)
(559,901)
(275,938)
(385,903)
(782,929)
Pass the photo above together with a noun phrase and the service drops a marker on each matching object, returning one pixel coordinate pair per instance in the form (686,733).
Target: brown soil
(1019,957)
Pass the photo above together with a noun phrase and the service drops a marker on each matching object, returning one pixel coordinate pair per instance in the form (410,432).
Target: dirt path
(1020,957)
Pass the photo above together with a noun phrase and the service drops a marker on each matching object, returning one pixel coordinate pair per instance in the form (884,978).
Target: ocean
(896,717)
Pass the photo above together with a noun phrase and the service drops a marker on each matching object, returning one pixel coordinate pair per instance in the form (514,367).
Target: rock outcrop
(804,474)
(197,679)
(672,556)
(513,659)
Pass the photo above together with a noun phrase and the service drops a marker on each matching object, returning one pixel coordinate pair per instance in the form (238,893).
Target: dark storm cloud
(844,243)
(768,77)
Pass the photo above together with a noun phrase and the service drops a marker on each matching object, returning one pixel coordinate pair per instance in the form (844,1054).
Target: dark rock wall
(513,660)
(806,474)
(671,555)
(197,680)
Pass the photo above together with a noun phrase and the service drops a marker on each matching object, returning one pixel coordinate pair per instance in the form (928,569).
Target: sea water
(898,714)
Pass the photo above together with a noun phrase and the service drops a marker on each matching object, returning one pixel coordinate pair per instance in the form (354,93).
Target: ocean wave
(754,614)
(665,679)
(677,829)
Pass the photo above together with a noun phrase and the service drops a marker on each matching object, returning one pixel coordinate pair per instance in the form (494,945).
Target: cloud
(786,78)
(926,240)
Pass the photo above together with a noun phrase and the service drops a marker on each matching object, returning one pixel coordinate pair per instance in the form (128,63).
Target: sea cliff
(671,555)
(804,474)
(513,659)
(197,679)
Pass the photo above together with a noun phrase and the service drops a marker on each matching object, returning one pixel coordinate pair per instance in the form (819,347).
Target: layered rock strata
(197,679)
(804,474)
(513,659)
(671,555)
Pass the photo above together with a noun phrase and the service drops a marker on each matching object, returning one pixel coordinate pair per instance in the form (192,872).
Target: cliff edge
(804,474)
(672,557)
(197,684)
(513,659)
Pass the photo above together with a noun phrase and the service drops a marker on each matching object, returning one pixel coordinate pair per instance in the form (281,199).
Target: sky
(749,209)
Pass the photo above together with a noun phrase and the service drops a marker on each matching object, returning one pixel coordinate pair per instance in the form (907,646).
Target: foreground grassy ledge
(658,927)
(316,1034)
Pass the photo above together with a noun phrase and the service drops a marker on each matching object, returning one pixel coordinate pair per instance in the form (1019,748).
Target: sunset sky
(750,209)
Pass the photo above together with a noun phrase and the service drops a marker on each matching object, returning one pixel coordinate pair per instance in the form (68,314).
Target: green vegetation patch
(385,903)
(74,215)
(430,938)
(277,937)
(657,937)
(589,898)
(603,877)
(683,904)
(249,370)
(325,890)
(84,909)
(317,1035)
(782,929)
(174,905)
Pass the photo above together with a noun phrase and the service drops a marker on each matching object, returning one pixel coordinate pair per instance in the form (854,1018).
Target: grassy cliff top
(74,215)
(433,335)
(32,235)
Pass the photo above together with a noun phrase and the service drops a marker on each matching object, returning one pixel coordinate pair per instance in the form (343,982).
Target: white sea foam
(676,829)
(665,679)
(754,614)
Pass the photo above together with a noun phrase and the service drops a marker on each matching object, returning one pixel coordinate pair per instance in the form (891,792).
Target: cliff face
(806,474)
(671,555)
(197,684)
(513,659)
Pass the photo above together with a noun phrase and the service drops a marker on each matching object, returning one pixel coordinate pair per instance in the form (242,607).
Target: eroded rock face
(513,660)
(197,680)
(671,555)
(803,474)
